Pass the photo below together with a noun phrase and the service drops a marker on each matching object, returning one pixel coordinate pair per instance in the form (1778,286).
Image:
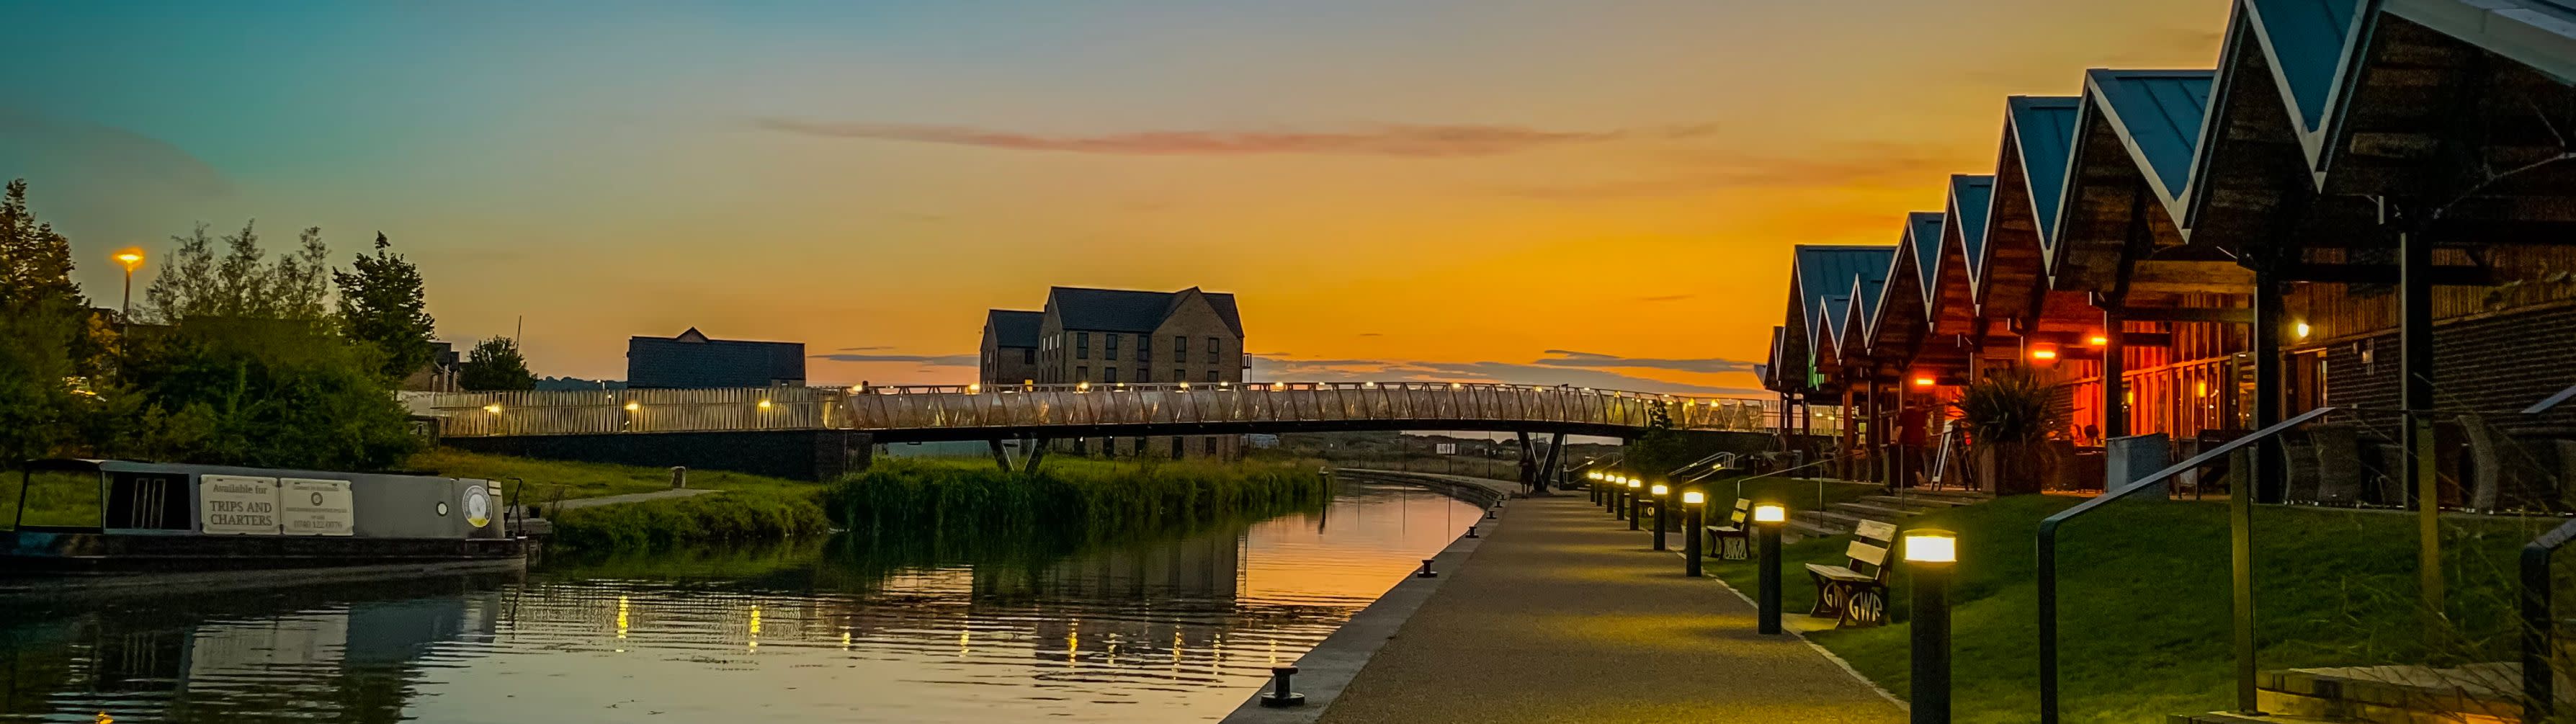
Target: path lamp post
(1692,502)
(1636,501)
(1661,503)
(1767,520)
(130,259)
(1930,556)
(1619,503)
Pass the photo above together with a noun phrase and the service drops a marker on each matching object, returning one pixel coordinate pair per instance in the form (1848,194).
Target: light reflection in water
(1142,633)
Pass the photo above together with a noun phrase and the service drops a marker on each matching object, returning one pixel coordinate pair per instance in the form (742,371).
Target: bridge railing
(471,414)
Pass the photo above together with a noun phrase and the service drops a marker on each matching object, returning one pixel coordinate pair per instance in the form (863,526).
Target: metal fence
(483,414)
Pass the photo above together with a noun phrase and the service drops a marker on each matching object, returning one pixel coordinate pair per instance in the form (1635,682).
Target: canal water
(1175,630)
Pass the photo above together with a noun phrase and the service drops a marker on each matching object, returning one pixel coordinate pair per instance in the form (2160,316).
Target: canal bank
(1556,614)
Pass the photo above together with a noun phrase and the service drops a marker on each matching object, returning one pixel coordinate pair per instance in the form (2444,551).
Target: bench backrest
(1871,541)
(1743,511)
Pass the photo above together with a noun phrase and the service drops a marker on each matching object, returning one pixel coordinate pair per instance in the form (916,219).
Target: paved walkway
(1564,615)
(571,503)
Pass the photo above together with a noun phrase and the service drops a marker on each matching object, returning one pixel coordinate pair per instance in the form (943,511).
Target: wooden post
(1851,435)
(2115,411)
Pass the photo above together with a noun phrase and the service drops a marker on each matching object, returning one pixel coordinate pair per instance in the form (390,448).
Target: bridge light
(859,389)
(974,388)
(494,408)
(1634,483)
(1454,385)
(764,404)
(1083,386)
(631,407)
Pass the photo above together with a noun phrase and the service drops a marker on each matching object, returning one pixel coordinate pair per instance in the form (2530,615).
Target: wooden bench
(1733,541)
(1855,594)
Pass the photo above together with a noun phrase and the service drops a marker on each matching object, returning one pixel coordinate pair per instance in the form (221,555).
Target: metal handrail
(2538,626)
(2047,578)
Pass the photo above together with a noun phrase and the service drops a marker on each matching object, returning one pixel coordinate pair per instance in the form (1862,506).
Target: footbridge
(645,420)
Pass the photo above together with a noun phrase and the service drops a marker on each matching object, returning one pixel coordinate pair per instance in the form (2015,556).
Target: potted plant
(2009,419)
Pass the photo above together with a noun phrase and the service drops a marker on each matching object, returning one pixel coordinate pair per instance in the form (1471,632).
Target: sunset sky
(1599,193)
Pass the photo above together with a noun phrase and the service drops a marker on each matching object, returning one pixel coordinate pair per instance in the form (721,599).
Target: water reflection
(1173,630)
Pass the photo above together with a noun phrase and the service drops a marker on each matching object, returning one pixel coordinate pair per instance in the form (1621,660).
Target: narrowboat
(93,523)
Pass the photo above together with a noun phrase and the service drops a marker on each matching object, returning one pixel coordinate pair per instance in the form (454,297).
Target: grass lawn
(2143,601)
(752,508)
(584,480)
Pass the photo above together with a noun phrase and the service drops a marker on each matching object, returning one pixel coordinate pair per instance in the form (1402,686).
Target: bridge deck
(974,412)
(1562,615)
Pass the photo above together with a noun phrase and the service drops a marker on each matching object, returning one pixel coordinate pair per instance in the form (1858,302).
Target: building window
(1211,447)
(1081,374)
(1028,355)
(1180,375)
(1144,349)
(1180,348)
(1109,346)
(1109,374)
(1212,350)
(1144,374)
(1082,345)
(1212,376)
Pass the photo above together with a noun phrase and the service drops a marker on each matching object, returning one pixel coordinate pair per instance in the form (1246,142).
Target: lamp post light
(1663,497)
(1768,518)
(1692,502)
(1593,485)
(130,258)
(1930,556)
(1619,506)
(1636,501)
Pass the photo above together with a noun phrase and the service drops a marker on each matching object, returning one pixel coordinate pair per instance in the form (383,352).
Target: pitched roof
(1828,271)
(1126,310)
(2044,130)
(1970,198)
(2157,114)
(1923,240)
(2305,41)
(1014,328)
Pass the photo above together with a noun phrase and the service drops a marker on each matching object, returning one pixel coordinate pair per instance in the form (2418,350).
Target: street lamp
(1768,518)
(1663,495)
(1930,557)
(130,258)
(1636,501)
(1692,502)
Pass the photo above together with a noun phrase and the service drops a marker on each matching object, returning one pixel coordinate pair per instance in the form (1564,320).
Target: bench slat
(1839,573)
(1866,554)
(1882,532)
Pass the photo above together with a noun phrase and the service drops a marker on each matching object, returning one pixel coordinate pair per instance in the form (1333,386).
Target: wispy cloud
(1363,370)
(931,360)
(1850,165)
(1588,360)
(1432,141)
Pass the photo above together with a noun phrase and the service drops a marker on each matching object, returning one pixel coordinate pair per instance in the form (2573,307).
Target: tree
(35,262)
(382,304)
(242,284)
(495,364)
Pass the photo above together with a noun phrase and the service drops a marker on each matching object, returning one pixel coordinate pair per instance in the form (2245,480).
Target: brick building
(694,361)
(1110,338)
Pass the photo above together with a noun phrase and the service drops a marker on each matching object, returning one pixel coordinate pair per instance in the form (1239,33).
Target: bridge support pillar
(1550,471)
(1001,456)
(1037,452)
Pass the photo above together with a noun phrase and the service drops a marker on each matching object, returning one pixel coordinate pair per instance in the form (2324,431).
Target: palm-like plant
(2009,420)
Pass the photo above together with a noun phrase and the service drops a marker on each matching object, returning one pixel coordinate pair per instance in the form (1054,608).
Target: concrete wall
(791,454)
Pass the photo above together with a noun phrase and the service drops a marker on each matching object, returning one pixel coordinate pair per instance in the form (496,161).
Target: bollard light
(1693,504)
(1768,519)
(1636,502)
(1930,556)
(1663,495)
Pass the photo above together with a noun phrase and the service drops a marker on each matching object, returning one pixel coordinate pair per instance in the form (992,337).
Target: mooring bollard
(1279,694)
(1426,571)
(1471,531)
(1489,512)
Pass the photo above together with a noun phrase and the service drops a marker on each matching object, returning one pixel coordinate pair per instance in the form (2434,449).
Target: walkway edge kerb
(1325,670)
(1827,653)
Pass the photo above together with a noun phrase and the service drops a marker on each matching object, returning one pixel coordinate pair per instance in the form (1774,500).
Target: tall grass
(739,516)
(1067,500)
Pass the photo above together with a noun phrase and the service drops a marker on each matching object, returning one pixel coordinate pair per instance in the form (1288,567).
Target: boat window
(61,498)
(149,500)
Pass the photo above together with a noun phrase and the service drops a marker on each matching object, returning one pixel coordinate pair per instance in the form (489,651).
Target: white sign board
(1446,448)
(233,505)
(317,507)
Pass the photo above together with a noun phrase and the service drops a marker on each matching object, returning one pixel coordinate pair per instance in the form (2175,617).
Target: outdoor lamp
(1083,386)
(1634,483)
(494,408)
(974,388)
(1923,382)
(2100,340)
(764,404)
(2303,330)
(1694,497)
(1662,493)
(1692,519)
(1660,490)
(1636,502)
(1768,518)
(1930,554)
(631,407)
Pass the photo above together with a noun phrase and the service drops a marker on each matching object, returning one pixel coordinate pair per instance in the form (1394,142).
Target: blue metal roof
(2159,114)
(1923,240)
(2306,40)
(1970,199)
(2043,128)
(1824,272)
(1829,314)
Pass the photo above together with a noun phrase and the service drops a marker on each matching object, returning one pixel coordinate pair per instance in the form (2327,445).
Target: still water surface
(1162,631)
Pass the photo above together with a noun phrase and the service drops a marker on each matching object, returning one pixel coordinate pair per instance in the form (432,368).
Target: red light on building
(1923,382)
(2044,353)
(2100,340)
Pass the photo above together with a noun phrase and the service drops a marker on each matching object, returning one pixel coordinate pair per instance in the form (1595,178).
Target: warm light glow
(1923,382)
(2303,330)
(1084,386)
(631,407)
(494,408)
(1770,513)
(1185,387)
(2043,353)
(1660,490)
(2099,340)
(1693,497)
(764,404)
(1931,546)
(974,388)
(1454,385)
(858,389)
(1634,483)
(2200,388)
(130,258)
(1594,475)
